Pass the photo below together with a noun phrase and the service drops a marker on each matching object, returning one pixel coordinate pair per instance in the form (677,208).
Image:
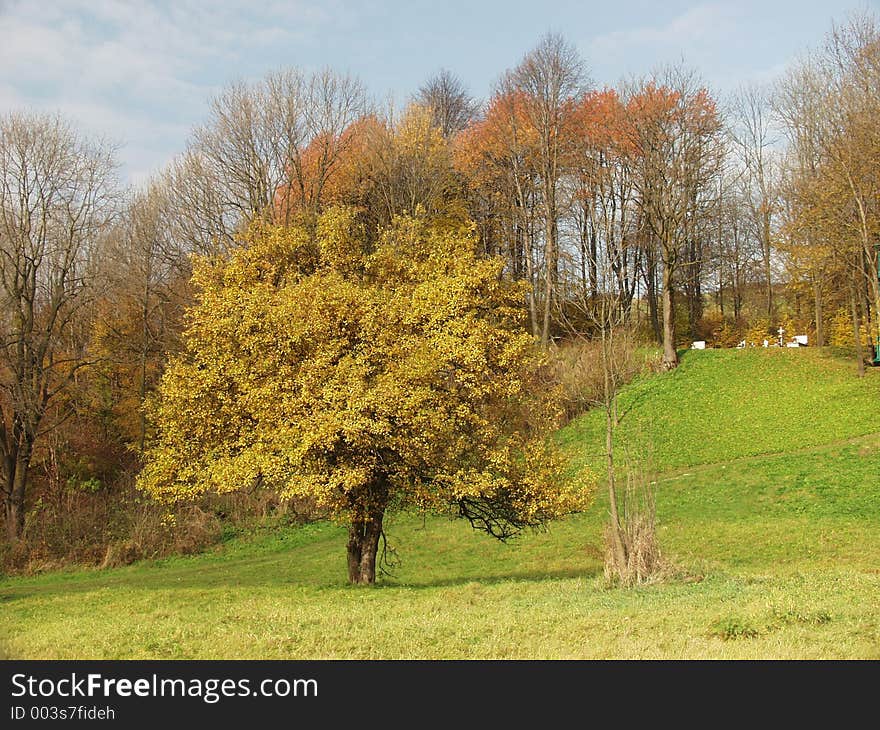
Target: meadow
(765,464)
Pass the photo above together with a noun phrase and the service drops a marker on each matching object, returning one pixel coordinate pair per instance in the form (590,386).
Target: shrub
(731,628)
(117,525)
(575,367)
(642,561)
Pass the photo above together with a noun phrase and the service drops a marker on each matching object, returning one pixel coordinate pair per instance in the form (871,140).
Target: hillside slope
(721,405)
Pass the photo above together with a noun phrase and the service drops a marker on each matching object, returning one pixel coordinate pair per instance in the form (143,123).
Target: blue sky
(142,72)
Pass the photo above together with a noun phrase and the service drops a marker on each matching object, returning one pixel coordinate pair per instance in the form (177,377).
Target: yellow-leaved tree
(365,376)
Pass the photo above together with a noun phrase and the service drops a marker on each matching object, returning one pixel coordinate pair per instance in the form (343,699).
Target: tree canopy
(364,376)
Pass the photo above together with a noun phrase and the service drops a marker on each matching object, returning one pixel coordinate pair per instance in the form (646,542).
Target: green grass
(726,404)
(767,496)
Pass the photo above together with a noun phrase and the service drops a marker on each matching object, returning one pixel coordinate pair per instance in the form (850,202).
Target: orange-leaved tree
(498,158)
(676,132)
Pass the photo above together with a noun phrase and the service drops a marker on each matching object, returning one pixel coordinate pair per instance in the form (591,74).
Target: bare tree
(632,552)
(267,147)
(146,274)
(501,173)
(754,136)
(600,178)
(56,199)
(201,220)
(452,107)
(331,104)
(736,255)
(549,79)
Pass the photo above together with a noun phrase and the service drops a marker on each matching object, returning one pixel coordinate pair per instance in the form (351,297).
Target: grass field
(767,497)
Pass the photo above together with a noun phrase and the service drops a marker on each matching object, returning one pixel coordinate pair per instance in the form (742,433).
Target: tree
(385,168)
(254,145)
(754,139)
(851,145)
(56,199)
(139,316)
(601,162)
(497,156)
(365,377)
(798,103)
(631,550)
(452,107)
(549,79)
(675,131)
(829,105)
(329,104)
(409,167)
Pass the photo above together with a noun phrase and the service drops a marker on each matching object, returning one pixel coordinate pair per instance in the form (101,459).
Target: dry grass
(156,533)
(643,562)
(576,368)
(117,525)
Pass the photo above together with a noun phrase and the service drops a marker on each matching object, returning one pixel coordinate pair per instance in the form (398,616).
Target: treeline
(654,203)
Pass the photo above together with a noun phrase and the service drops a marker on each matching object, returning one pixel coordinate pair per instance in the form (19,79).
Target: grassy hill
(767,466)
(727,404)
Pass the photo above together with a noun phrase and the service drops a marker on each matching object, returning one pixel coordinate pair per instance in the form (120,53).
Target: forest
(535,240)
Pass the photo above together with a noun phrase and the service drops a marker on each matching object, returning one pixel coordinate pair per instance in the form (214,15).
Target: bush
(154,533)
(117,525)
(732,628)
(575,367)
(758,331)
(840,333)
(642,560)
(719,331)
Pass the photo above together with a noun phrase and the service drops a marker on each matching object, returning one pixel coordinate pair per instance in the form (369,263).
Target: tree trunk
(551,263)
(768,271)
(585,256)
(874,289)
(594,263)
(516,254)
(616,540)
(817,306)
(14,518)
(13,503)
(854,310)
(530,268)
(651,293)
(694,291)
(865,307)
(670,356)
(363,545)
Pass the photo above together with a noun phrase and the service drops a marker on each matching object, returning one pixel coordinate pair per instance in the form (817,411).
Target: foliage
(840,334)
(829,102)
(722,331)
(758,331)
(362,378)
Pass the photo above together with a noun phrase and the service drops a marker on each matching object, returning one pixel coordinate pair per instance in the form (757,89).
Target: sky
(141,73)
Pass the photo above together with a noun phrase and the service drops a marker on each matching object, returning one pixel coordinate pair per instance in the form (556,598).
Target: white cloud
(696,32)
(141,72)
